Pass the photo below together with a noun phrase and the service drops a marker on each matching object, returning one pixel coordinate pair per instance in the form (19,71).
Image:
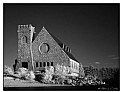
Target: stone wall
(23,45)
(44,48)
(55,53)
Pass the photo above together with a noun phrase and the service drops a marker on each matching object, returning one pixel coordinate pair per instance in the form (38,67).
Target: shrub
(8,70)
(31,75)
(61,71)
(48,76)
(23,73)
(40,77)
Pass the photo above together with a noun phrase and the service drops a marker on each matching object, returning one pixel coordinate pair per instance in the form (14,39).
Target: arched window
(24,39)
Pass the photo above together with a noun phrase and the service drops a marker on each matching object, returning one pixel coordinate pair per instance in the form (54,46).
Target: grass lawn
(25,83)
(22,85)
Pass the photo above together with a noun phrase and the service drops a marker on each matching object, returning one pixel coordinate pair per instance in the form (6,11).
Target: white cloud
(115,58)
(97,62)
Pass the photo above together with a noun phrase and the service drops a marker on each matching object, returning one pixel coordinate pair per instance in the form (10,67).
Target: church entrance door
(25,64)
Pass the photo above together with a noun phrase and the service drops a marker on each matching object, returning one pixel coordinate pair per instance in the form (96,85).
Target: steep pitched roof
(57,40)
(70,55)
(61,45)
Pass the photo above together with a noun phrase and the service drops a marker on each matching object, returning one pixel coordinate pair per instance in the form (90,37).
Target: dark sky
(90,30)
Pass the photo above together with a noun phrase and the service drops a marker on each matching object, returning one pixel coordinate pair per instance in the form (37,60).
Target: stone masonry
(43,51)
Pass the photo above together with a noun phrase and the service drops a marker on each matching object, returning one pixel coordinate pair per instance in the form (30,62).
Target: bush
(57,79)
(31,75)
(48,74)
(40,77)
(8,70)
(23,73)
(51,75)
(61,70)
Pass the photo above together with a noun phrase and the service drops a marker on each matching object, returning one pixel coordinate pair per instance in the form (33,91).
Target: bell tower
(25,35)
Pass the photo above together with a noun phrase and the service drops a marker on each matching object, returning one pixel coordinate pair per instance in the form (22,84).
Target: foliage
(81,70)
(40,77)
(25,74)
(49,71)
(61,70)
(109,75)
(8,70)
(60,74)
(56,75)
(52,74)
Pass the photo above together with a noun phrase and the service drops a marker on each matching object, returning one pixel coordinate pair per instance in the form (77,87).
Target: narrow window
(36,64)
(44,64)
(72,64)
(69,50)
(47,63)
(66,48)
(77,67)
(40,64)
(51,63)
(24,39)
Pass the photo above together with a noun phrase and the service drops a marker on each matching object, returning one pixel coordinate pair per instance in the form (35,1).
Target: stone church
(43,51)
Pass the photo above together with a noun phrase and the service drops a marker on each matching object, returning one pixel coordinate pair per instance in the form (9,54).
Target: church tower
(25,37)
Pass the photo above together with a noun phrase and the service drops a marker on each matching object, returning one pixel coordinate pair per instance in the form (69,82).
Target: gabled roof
(57,40)
(70,55)
(61,45)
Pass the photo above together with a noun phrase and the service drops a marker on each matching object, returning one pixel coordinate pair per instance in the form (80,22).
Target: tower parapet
(24,27)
